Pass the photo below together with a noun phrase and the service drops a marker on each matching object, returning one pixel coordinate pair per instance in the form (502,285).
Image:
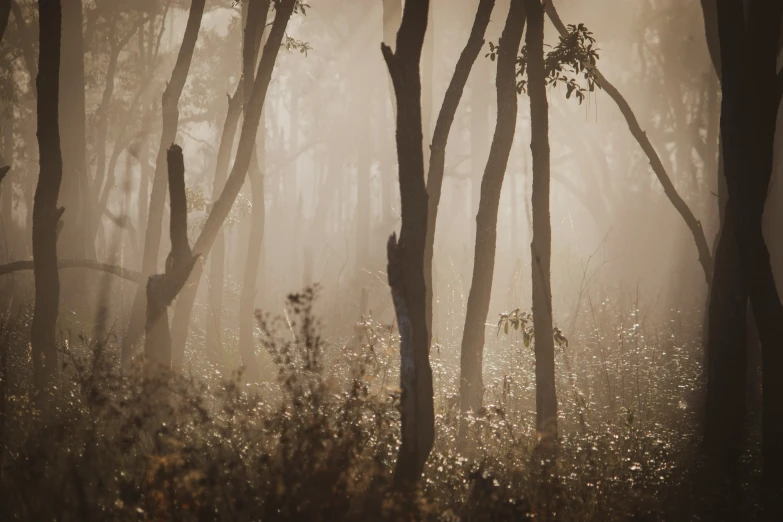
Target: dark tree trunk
(163,288)
(46,214)
(252,116)
(440,136)
(471,386)
(406,256)
(748,50)
(170,113)
(541,247)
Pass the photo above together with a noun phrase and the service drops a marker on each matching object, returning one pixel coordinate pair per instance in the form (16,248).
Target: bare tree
(220,210)
(163,288)
(170,111)
(406,256)
(46,214)
(470,383)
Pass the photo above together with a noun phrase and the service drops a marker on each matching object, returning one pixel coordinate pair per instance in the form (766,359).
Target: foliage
(523,322)
(574,55)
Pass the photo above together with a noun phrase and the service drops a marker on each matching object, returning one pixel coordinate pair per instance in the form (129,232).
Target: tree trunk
(406,256)
(46,214)
(748,50)
(163,288)
(170,118)
(471,386)
(541,246)
(440,136)
(252,115)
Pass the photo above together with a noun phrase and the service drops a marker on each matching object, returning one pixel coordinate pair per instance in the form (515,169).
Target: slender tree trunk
(170,117)
(440,136)
(541,247)
(406,256)
(46,214)
(252,116)
(471,385)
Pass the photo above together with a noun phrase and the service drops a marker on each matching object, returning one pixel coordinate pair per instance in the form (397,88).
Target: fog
(639,293)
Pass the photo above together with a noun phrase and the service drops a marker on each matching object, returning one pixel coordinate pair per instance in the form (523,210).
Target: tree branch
(123,273)
(705,256)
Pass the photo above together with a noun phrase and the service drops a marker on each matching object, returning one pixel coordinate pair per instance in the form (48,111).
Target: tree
(170,117)
(46,214)
(541,246)
(440,136)
(406,257)
(253,109)
(471,384)
(749,37)
(163,288)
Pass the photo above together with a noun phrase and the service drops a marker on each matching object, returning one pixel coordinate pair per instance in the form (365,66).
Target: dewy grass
(318,441)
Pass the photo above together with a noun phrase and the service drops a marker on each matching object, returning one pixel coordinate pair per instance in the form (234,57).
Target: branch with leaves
(575,55)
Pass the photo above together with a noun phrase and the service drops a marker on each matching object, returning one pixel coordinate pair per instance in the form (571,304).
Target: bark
(693,224)
(73,117)
(46,214)
(748,55)
(163,288)
(170,117)
(406,256)
(471,386)
(541,246)
(252,116)
(440,136)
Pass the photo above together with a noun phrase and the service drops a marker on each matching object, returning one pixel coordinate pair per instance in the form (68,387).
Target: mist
(271,260)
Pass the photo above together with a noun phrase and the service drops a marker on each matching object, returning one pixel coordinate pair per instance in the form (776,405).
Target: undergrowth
(319,442)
